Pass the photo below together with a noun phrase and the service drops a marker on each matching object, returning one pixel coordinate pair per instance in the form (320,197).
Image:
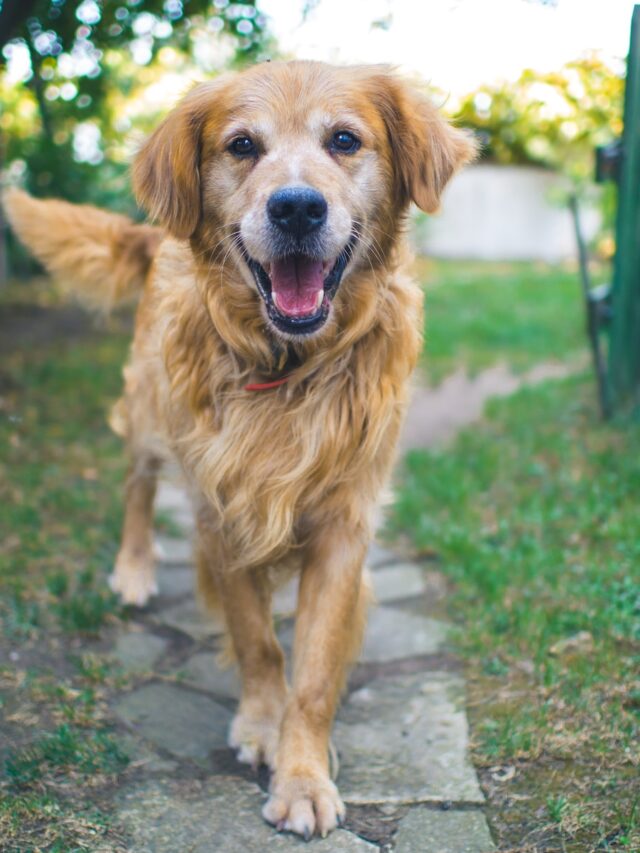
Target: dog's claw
(280,825)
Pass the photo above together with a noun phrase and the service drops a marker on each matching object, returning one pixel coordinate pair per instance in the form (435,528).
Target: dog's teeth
(319,298)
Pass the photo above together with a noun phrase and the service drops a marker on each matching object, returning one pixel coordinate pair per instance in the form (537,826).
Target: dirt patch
(376,824)
(437,413)
(34,315)
(23,325)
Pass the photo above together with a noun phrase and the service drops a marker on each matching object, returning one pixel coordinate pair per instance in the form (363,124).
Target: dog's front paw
(304,804)
(133,578)
(255,739)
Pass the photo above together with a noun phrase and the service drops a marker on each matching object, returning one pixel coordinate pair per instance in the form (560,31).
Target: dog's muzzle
(297,289)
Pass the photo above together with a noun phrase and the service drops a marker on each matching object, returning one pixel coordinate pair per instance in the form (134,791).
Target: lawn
(60,481)
(479,314)
(60,474)
(533,518)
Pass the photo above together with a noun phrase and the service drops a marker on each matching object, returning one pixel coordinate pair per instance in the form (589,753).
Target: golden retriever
(274,341)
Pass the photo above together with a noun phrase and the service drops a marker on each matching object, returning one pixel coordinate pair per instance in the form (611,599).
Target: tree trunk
(12,14)
(37,86)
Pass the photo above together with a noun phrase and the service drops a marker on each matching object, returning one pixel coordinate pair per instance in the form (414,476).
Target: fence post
(624,342)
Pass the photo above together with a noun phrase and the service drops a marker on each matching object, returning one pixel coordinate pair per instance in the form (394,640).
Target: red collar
(265,386)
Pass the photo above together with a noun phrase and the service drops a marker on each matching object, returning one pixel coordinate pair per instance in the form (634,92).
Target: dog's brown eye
(242,146)
(344,142)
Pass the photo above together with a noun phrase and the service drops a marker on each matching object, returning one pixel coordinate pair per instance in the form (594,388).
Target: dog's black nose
(297,210)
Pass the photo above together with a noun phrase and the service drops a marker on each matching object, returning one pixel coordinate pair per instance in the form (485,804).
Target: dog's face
(300,172)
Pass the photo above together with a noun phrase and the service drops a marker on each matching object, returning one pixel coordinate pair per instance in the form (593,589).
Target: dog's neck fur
(236,312)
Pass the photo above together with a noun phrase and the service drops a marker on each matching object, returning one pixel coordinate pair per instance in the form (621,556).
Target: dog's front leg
(329,622)
(245,598)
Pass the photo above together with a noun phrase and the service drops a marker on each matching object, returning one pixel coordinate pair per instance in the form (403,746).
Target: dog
(274,341)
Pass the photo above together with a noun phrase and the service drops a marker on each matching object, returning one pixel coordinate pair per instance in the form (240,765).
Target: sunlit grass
(478,314)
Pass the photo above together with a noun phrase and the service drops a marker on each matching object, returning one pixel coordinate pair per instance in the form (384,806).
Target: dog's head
(299,173)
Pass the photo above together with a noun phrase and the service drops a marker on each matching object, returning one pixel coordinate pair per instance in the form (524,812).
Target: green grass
(540,503)
(51,785)
(480,314)
(67,749)
(61,475)
(534,517)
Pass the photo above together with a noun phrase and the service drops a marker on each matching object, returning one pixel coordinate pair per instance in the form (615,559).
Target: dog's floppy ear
(166,170)
(426,149)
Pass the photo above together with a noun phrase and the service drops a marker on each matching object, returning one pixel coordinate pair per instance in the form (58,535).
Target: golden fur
(285,478)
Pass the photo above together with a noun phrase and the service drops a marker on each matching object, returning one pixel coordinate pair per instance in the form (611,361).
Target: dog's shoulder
(173,269)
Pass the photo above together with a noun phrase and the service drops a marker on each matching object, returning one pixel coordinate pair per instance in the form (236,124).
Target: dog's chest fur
(319,447)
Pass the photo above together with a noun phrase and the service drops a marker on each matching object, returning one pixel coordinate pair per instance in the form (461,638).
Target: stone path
(401,732)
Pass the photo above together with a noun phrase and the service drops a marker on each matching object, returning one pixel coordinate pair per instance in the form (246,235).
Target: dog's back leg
(133,577)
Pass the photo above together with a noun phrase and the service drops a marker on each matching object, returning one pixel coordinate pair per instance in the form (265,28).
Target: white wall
(492,212)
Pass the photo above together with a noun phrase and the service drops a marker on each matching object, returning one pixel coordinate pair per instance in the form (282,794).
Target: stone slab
(285,598)
(138,651)
(404,740)
(174,501)
(186,724)
(173,551)
(184,519)
(439,831)
(190,618)
(390,582)
(174,581)
(203,672)
(378,555)
(220,814)
(391,634)
(143,757)
(398,580)
(170,497)
(395,634)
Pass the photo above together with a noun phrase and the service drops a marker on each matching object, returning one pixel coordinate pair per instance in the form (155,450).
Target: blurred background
(522,512)
(540,82)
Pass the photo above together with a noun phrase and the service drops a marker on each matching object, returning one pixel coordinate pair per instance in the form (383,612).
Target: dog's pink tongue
(296,285)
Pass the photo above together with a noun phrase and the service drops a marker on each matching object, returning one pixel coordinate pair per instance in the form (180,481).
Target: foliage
(554,119)
(71,66)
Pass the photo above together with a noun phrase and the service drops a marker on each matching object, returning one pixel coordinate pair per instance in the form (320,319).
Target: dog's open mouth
(297,289)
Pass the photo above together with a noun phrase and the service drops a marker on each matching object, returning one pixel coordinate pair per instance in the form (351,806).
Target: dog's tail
(101,257)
